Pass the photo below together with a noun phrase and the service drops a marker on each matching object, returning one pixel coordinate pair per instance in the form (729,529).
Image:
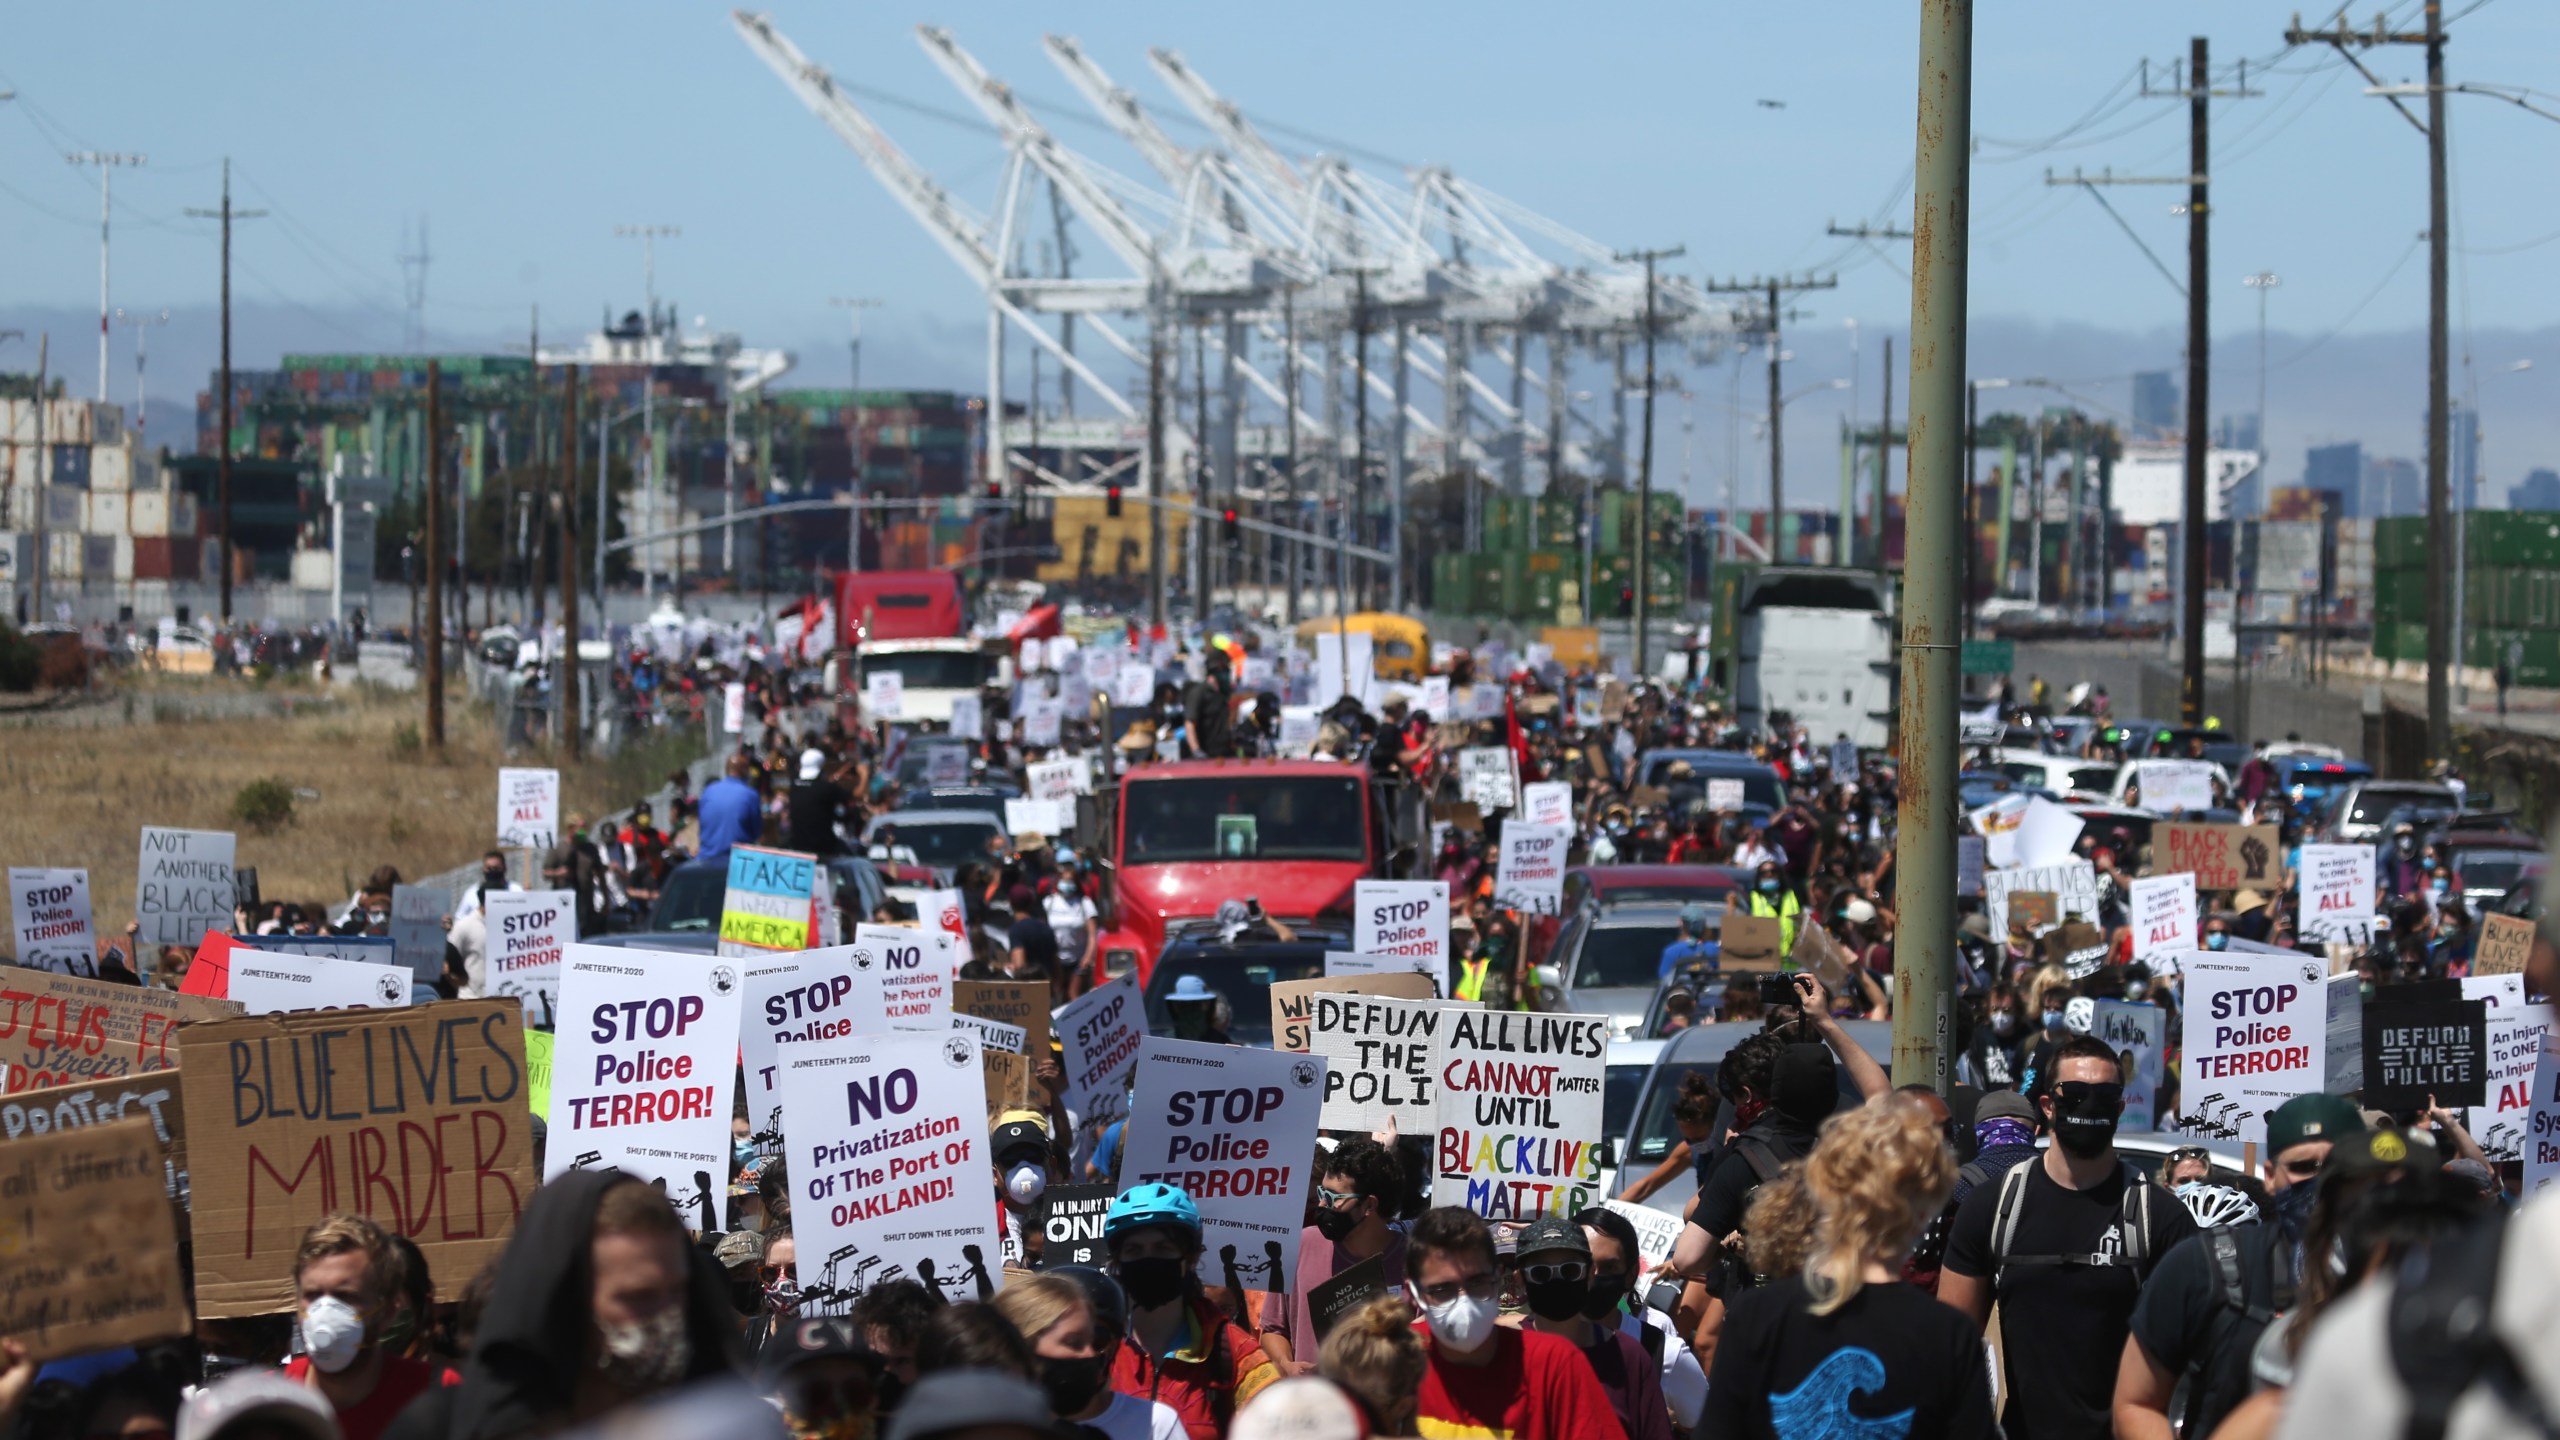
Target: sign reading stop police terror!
(530,932)
(642,1072)
(2256,1036)
(1232,1128)
(1520,1112)
(1530,877)
(1401,917)
(788,1000)
(888,1167)
(1100,1032)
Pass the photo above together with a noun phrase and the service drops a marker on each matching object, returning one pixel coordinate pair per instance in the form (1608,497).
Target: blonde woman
(1074,1319)
(1847,1347)
(1377,1359)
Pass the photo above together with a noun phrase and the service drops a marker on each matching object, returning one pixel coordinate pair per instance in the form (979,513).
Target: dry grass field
(365,792)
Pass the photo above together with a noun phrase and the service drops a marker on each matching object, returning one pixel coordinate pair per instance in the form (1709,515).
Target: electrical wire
(2350,318)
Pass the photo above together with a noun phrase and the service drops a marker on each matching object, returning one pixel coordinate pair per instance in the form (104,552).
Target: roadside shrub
(21,659)
(264,806)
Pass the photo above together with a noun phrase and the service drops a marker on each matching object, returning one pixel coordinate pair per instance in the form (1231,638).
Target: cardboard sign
(1815,950)
(417,930)
(54,930)
(528,809)
(1233,1128)
(1007,1075)
(646,1061)
(1548,802)
(1100,1031)
(1351,1287)
(2073,885)
(771,902)
(1071,1232)
(1750,942)
(90,1258)
(154,1099)
(1380,1061)
(64,1030)
(530,932)
(2335,893)
(2506,943)
(2175,787)
(1402,917)
(1293,1001)
(888,1164)
(1519,1114)
(2416,1047)
(184,885)
(2256,1028)
(273,983)
(1486,775)
(1023,1004)
(2221,857)
(2164,914)
(414,1117)
(2138,1034)
(2078,947)
(1530,875)
(1724,795)
(884,695)
(2033,909)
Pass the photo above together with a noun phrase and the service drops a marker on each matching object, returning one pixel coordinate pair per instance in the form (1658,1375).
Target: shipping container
(107,513)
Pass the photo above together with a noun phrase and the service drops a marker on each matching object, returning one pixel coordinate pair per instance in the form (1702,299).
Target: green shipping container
(1559,519)
(2400,543)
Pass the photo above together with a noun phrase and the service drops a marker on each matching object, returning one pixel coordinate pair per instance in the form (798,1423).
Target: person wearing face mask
(824,1379)
(2064,1244)
(1074,1319)
(2044,1047)
(1019,1149)
(348,1279)
(1995,1057)
(1616,1264)
(1552,1258)
(1180,1351)
(1073,918)
(1360,1186)
(1482,1378)
(1772,898)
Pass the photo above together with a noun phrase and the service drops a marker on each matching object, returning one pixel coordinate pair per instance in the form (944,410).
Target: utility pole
(1933,529)
(1359,391)
(1289,416)
(1155,463)
(106,161)
(1770,286)
(1884,459)
(648,236)
(568,684)
(222,441)
(44,464)
(853,306)
(1644,466)
(434,506)
(141,359)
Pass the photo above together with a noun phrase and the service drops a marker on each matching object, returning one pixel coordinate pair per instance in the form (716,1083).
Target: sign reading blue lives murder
(888,1166)
(1520,1112)
(1233,1129)
(643,1071)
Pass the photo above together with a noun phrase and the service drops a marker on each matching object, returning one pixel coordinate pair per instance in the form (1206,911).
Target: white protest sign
(1133,685)
(1969,864)
(184,885)
(1345,663)
(1487,777)
(2046,833)
(417,929)
(642,1072)
(1657,1231)
(2073,885)
(1548,802)
(1062,779)
(902,977)
(1352,962)
(994,1034)
(787,1001)
(888,1162)
(884,695)
(2503,994)
(733,708)
(1299,726)
(946,765)
(1519,1113)
(1037,817)
(1999,822)
(968,716)
(1380,1060)
(1233,1128)
(528,809)
(2504,1121)
(1102,666)
(1586,709)
(1844,760)
(271,983)
(2542,1141)
(1530,875)
(1040,722)
(2164,914)
(944,917)
(1100,1031)
(54,930)
(2255,1035)
(530,932)
(2138,1033)
(1724,794)
(2176,787)
(1435,696)
(2334,893)
(1407,918)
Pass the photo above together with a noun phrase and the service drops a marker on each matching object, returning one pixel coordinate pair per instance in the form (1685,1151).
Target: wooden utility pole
(568,666)
(431,495)
(2199,377)
(1644,466)
(222,441)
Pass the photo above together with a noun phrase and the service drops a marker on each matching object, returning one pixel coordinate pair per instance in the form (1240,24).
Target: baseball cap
(738,1247)
(1018,1130)
(2317,1116)
(811,762)
(948,1401)
(811,1339)
(2005,1105)
(1307,1408)
(2368,1152)
(283,1406)
(1550,1232)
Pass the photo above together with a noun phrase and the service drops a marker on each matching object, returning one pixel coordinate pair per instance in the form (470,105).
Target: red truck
(899,605)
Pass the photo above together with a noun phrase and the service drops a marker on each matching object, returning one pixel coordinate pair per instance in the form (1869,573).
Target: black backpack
(2444,1339)
(1732,1273)
(2236,1322)
(2132,1228)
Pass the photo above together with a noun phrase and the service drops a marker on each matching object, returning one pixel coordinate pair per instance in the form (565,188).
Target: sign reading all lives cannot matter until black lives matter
(1520,1112)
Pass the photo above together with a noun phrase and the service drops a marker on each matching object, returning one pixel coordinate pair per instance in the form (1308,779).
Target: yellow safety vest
(1789,912)
(1471,978)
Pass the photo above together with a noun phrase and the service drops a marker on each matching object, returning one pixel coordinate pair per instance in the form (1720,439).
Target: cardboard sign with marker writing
(64,1030)
(2033,909)
(1354,1287)
(2221,857)
(1293,1001)
(88,1242)
(1008,1078)
(1750,942)
(2505,944)
(75,1107)
(2078,947)
(1015,1002)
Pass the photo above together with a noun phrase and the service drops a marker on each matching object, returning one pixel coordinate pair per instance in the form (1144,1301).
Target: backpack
(2443,1339)
(1732,1272)
(2236,1322)
(2132,1228)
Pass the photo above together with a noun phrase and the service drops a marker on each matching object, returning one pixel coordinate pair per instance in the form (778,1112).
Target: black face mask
(1072,1384)
(886,1391)
(1336,1225)
(1601,1305)
(1153,1282)
(1557,1299)
(2085,1123)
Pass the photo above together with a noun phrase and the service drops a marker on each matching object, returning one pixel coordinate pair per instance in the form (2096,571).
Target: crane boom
(1120,109)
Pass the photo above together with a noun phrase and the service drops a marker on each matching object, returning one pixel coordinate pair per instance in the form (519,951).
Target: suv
(1242,973)
(2365,804)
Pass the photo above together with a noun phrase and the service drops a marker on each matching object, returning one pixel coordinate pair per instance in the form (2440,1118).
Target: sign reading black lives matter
(2433,1043)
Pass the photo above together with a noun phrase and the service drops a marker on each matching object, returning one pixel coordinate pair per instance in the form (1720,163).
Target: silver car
(1609,962)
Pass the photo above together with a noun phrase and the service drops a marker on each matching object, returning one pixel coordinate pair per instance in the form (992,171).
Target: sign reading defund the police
(888,1162)
(1519,1112)
(53,931)
(1379,1055)
(771,902)
(642,1070)
(1233,1128)
(530,932)
(1530,877)
(1402,917)
(2256,1035)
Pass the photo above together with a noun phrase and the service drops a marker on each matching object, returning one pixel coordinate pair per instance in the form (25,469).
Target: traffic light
(1626,601)
(1111,502)
(1228,530)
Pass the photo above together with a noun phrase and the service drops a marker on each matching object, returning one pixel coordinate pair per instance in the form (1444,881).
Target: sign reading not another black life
(1072,1233)
(2417,1047)
(1356,1286)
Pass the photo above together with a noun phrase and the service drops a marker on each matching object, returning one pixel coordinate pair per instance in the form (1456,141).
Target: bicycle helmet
(1156,1203)
(2214,1205)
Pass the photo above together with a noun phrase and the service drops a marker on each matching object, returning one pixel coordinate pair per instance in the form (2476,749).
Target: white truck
(933,673)
(1816,645)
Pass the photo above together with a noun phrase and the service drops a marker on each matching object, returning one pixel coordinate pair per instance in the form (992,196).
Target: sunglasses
(1565,1270)
(1337,1199)
(2302,1169)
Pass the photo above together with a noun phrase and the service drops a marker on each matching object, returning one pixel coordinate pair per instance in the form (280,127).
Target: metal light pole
(853,306)
(648,236)
(106,161)
(141,356)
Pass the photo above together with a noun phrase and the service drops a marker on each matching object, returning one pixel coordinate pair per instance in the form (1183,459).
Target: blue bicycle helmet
(1140,1206)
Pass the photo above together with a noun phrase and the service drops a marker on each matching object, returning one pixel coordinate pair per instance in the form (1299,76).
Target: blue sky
(526,132)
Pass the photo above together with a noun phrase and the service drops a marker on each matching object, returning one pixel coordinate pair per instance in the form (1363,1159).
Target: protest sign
(152,1098)
(942,915)
(2164,914)
(733,708)
(1656,1232)
(2503,1117)
(2503,994)
(273,982)
(1037,817)
(902,977)
(530,932)
(1969,865)
(884,695)
(2255,1032)
(1750,942)
(1061,779)
(1435,697)
(1293,1001)
(1548,802)
(1380,1061)
(2334,890)
(2221,857)
(785,1001)
(1012,1021)
(1350,962)
(537,1072)
(1724,795)
(528,809)
(54,930)
(946,765)
(2542,1141)
(1100,1031)
(66,1030)
(2506,942)
(1233,1128)
(1401,917)
(645,1059)
(2073,885)
(417,930)
(1586,710)
(415,1117)
(1530,876)
(1351,1287)
(2078,947)
(2176,787)
(888,1159)
(1519,1113)
(362,949)
(2344,1064)
(2034,909)
(1999,821)
(2045,834)
(770,903)
(1299,727)
(1133,685)
(968,717)
(2138,1034)
(184,886)
(1040,722)
(91,1258)
(1071,1233)
(1824,957)
(1486,775)
(2425,1043)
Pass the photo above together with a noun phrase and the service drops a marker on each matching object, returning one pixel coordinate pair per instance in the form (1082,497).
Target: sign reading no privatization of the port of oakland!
(770,904)
(1233,1128)
(530,932)
(642,1069)
(1530,877)
(1401,917)
(184,885)
(271,982)
(2256,1035)
(1519,1121)
(2334,893)
(888,1167)
(53,925)
(901,978)
(528,809)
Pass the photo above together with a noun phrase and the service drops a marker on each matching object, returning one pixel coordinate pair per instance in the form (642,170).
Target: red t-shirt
(403,1380)
(1537,1387)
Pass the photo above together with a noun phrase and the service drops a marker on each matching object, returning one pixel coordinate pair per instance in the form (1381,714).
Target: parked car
(2488,863)
(2308,775)
(1763,794)
(1608,885)
(2365,804)
(2069,776)
(1609,962)
(1700,1048)
(949,838)
(1242,973)
(1630,1062)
